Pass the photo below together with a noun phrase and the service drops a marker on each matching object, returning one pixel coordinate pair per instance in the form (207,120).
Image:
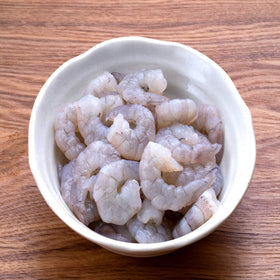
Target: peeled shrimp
(157,159)
(116,232)
(87,164)
(208,121)
(186,145)
(148,233)
(143,87)
(175,111)
(114,205)
(108,103)
(67,182)
(128,141)
(204,208)
(149,214)
(101,85)
(65,126)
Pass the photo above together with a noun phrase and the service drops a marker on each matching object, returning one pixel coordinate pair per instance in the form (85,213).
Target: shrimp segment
(143,87)
(116,206)
(149,214)
(175,111)
(65,126)
(186,145)
(131,142)
(204,208)
(102,84)
(116,232)
(94,157)
(209,122)
(156,159)
(148,233)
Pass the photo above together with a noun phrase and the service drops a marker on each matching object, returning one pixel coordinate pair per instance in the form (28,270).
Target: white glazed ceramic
(189,74)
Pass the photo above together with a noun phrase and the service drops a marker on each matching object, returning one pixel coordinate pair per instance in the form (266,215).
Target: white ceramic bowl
(189,74)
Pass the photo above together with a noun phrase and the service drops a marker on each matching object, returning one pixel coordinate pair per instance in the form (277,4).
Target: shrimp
(209,122)
(89,108)
(101,85)
(95,156)
(117,192)
(128,141)
(116,232)
(204,208)
(143,87)
(108,103)
(187,146)
(149,214)
(65,126)
(67,183)
(175,111)
(148,233)
(156,159)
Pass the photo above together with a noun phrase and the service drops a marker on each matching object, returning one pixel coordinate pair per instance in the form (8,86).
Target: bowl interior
(189,75)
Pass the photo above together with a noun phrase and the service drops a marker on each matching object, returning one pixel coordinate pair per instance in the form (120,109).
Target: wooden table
(38,36)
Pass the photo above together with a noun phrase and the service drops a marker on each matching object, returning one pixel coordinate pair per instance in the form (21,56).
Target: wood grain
(38,36)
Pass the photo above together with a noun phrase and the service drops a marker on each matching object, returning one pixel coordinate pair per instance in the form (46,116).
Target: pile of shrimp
(140,167)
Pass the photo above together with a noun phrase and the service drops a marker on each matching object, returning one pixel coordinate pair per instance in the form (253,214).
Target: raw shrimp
(65,126)
(148,233)
(87,165)
(117,192)
(143,87)
(67,182)
(149,214)
(102,84)
(156,159)
(187,146)
(209,122)
(204,208)
(175,111)
(89,108)
(108,103)
(128,141)
(116,232)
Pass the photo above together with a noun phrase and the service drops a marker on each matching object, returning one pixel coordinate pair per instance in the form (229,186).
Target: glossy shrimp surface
(65,126)
(175,111)
(143,87)
(186,145)
(85,169)
(204,208)
(157,159)
(117,192)
(101,85)
(130,142)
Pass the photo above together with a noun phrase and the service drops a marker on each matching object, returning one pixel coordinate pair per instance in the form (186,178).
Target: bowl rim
(119,246)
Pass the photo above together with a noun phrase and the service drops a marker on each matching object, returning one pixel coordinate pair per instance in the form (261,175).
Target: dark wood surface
(38,36)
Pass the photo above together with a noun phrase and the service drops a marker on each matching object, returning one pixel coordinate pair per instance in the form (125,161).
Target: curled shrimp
(91,112)
(204,208)
(143,87)
(209,122)
(112,231)
(175,111)
(117,192)
(65,126)
(149,214)
(128,141)
(186,145)
(157,159)
(101,85)
(86,166)
(148,233)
